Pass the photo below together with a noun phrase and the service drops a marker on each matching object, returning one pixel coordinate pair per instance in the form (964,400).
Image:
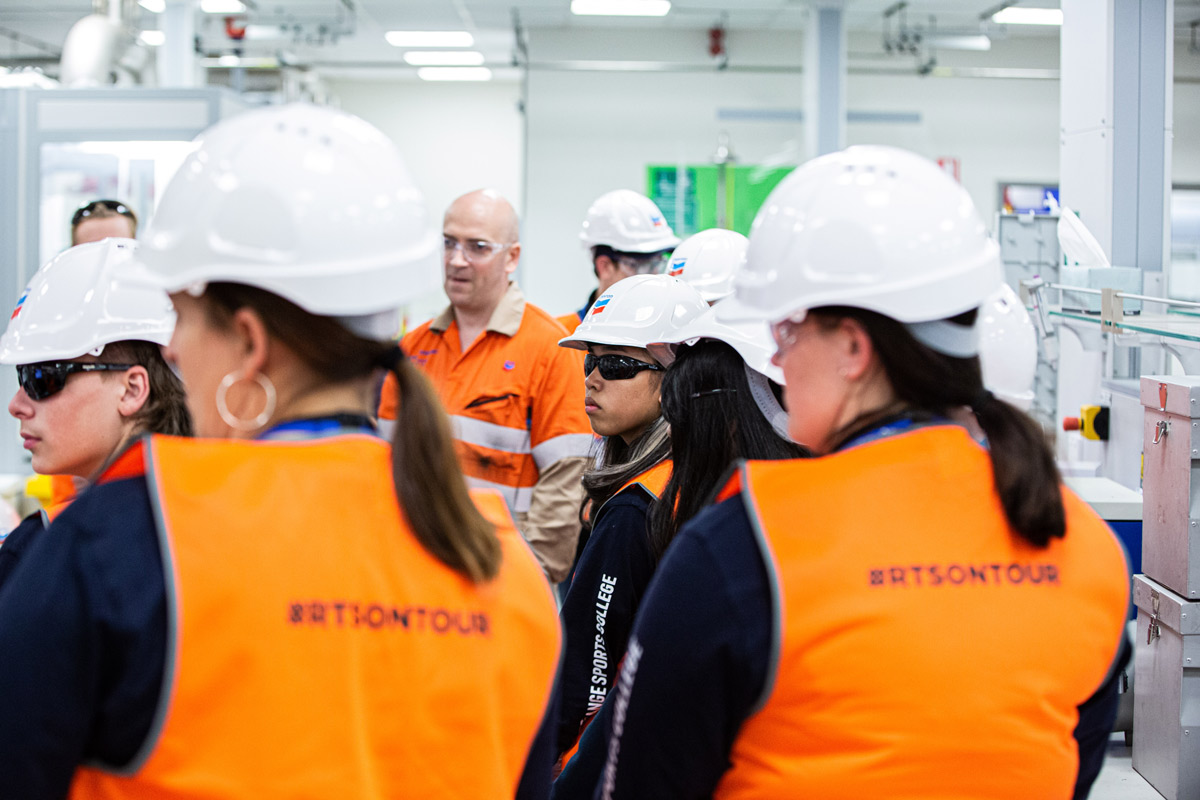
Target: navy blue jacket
(597,613)
(18,540)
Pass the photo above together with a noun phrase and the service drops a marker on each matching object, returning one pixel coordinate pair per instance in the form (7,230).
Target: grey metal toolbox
(1171,482)
(1166,705)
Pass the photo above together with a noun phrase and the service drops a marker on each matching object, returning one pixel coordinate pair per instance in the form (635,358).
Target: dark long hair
(714,421)
(618,463)
(1025,475)
(429,485)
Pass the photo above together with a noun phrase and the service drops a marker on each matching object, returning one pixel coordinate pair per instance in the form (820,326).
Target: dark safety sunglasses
(83,212)
(49,377)
(616,368)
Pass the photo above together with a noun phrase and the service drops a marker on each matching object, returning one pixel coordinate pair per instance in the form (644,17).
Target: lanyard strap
(320,427)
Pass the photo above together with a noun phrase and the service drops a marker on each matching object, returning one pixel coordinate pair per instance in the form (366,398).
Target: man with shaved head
(514,396)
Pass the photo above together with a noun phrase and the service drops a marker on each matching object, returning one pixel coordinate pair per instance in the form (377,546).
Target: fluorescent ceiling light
(246,62)
(152,38)
(153,6)
(429,38)
(444,58)
(978,41)
(1028,16)
(260,33)
(454,74)
(621,8)
(222,6)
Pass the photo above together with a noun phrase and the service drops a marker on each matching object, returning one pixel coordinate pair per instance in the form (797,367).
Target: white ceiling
(38,27)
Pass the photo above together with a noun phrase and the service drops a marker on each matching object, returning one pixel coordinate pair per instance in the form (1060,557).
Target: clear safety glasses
(50,377)
(474,251)
(652,265)
(616,368)
(784,332)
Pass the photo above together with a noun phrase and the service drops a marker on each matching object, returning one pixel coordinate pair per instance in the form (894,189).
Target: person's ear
(513,256)
(604,267)
(248,327)
(135,391)
(856,351)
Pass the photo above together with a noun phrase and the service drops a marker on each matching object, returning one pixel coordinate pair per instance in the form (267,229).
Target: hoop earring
(244,425)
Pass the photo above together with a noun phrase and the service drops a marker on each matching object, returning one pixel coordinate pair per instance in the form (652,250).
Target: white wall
(590,132)
(455,137)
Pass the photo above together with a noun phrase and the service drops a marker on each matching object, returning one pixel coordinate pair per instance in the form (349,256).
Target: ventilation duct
(99,50)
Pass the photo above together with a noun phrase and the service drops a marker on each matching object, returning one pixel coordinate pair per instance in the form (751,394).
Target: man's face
(479,258)
(94,229)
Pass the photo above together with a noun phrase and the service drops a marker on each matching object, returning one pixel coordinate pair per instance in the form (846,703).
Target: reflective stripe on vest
(922,649)
(518,498)
(316,649)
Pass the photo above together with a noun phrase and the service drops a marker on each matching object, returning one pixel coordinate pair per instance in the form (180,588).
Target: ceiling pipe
(95,46)
(1008,73)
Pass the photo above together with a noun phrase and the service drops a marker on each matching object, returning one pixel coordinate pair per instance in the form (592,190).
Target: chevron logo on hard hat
(677,267)
(20,303)
(600,304)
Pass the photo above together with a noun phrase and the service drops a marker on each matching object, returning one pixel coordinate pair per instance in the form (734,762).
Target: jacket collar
(505,319)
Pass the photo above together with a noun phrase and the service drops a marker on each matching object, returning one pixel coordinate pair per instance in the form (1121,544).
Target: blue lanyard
(902,425)
(320,427)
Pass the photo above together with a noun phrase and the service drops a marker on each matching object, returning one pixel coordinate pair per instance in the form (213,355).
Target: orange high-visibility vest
(62,491)
(923,650)
(653,480)
(316,649)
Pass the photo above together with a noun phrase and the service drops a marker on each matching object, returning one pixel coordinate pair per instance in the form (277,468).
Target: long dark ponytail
(714,420)
(1025,475)
(430,483)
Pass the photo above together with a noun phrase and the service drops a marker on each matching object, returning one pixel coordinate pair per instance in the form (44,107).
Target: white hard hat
(636,312)
(80,301)
(628,222)
(1007,348)
(869,227)
(749,336)
(309,203)
(708,261)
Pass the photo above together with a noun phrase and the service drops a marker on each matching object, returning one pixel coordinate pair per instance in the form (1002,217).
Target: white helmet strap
(764,398)
(945,337)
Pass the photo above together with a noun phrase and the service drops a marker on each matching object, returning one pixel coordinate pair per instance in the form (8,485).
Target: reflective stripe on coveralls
(515,402)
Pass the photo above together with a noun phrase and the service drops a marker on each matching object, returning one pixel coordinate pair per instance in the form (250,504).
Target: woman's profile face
(75,430)
(816,394)
(627,407)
